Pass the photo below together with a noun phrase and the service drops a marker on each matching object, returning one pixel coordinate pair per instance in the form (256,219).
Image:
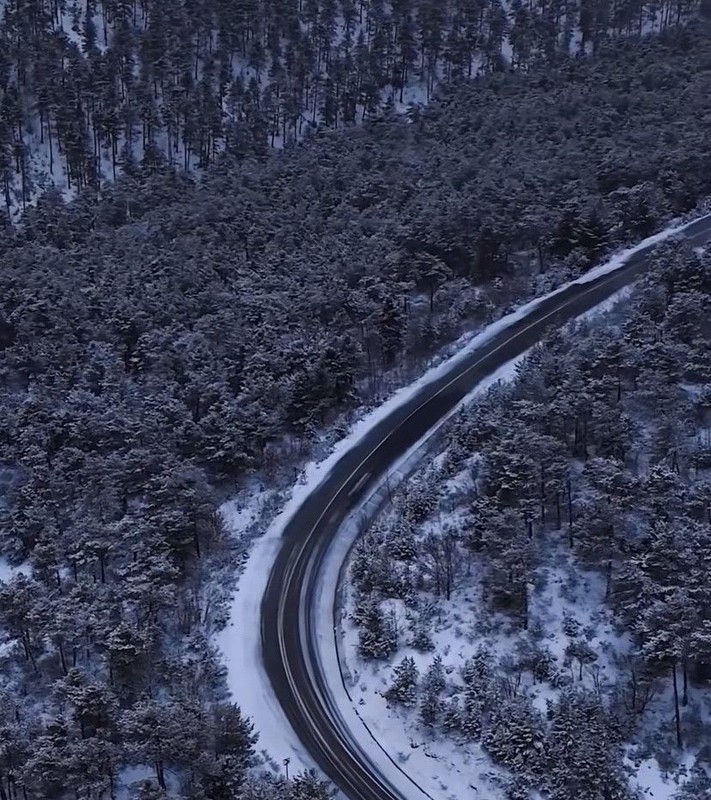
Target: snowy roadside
(407,762)
(239,641)
(447,768)
(435,767)
(565,599)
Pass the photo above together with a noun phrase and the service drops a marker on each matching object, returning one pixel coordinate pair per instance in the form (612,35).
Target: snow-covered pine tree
(403,689)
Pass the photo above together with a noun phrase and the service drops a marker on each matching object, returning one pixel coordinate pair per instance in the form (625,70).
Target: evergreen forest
(205,306)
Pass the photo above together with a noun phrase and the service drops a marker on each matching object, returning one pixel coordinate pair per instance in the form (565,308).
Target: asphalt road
(289,650)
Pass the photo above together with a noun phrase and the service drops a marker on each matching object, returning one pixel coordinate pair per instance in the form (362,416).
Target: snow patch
(9,571)
(132,776)
(651,780)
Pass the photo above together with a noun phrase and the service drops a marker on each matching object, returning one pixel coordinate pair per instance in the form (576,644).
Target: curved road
(288,644)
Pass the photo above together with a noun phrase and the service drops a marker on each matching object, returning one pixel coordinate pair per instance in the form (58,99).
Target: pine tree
(430,708)
(434,677)
(307,786)
(377,636)
(581,750)
(515,735)
(421,639)
(403,688)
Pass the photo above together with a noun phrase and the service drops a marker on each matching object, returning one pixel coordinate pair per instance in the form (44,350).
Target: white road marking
(359,483)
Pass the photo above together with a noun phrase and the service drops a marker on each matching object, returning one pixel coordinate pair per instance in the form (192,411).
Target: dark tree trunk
(62,660)
(685,685)
(160,775)
(196,540)
(677,714)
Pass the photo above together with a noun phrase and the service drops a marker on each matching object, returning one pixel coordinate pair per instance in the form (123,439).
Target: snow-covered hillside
(504,631)
(94,88)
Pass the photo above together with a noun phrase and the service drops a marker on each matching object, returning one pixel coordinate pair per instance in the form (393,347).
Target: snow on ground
(470,342)
(564,599)
(467,343)
(131,777)
(619,258)
(607,305)
(240,640)
(442,766)
(451,769)
(651,780)
(8,571)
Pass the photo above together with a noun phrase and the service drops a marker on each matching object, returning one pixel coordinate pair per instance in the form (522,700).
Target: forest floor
(462,627)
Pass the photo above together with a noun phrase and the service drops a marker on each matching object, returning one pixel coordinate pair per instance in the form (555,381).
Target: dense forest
(167,337)
(90,88)
(596,457)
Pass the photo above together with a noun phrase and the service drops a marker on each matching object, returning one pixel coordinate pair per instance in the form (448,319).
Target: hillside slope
(87,89)
(533,610)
